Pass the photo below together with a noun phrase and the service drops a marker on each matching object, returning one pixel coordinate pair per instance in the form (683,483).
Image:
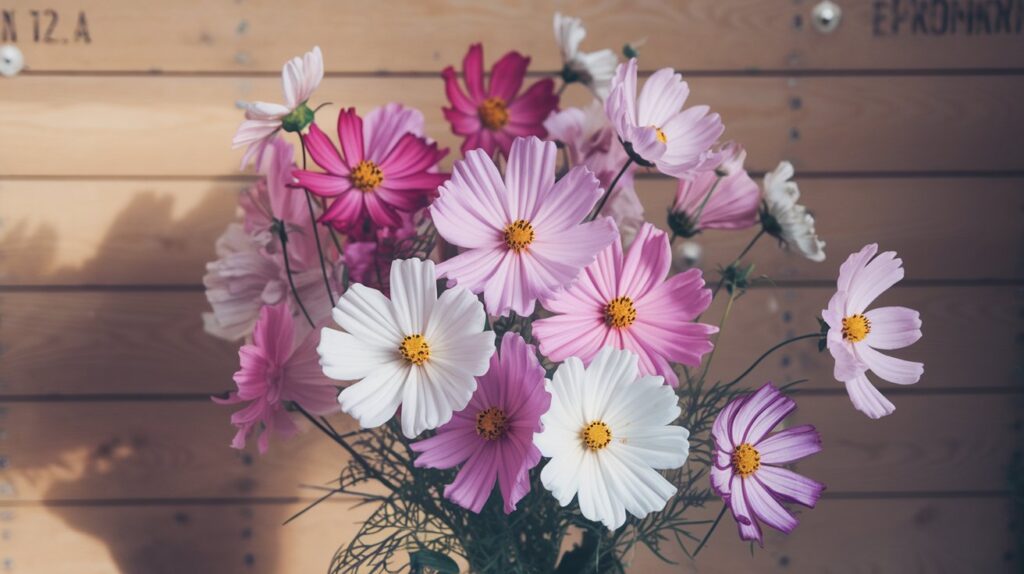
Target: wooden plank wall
(116,176)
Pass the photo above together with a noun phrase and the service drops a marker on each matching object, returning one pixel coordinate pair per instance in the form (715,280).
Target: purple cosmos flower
(493,437)
(744,472)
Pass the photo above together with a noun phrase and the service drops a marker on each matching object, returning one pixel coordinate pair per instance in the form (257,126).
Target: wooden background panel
(136,232)
(152,342)
(178,450)
(368,37)
(172,126)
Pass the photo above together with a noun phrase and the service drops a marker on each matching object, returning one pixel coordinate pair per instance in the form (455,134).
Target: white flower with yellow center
(594,70)
(415,350)
(606,433)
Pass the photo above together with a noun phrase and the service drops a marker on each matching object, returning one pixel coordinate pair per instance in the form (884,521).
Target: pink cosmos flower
(277,367)
(591,141)
(491,118)
(655,127)
(385,167)
(300,78)
(855,335)
(368,256)
(732,204)
(492,438)
(625,302)
(744,470)
(273,197)
(523,237)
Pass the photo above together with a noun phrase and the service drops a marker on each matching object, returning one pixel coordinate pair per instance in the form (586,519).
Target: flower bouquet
(527,359)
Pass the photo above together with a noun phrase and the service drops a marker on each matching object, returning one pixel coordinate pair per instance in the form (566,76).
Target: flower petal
(867,399)
(893,327)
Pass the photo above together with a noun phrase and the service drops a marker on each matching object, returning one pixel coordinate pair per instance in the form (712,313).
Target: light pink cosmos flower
(490,118)
(625,302)
(656,128)
(591,141)
(273,197)
(385,167)
(745,471)
(732,204)
(280,365)
(300,78)
(522,237)
(855,334)
(492,438)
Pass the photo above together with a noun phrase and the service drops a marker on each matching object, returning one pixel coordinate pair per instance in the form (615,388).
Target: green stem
(710,531)
(721,326)
(348,448)
(282,235)
(611,188)
(772,350)
(316,233)
(743,253)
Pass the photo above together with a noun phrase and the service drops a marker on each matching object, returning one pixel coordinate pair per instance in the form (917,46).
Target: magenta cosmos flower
(385,167)
(492,438)
(625,302)
(491,118)
(522,237)
(654,126)
(745,472)
(726,198)
(274,370)
(855,334)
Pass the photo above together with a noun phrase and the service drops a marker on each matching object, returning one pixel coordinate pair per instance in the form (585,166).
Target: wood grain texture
(140,232)
(838,537)
(179,450)
(369,37)
(173,126)
(153,343)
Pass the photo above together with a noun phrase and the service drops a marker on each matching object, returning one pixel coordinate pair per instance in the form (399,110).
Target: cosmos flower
(590,141)
(300,78)
(726,198)
(490,118)
(279,366)
(606,434)
(625,301)
(522,238)
(492,438)
(785,219)
(654,126)
(414,349)
(856,335)
(745,470)
(385,167)
(594,70)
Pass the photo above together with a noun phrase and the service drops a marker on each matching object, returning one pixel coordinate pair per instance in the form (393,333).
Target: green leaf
(420,559)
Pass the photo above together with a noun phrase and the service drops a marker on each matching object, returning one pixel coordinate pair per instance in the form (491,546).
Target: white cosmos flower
(787,220)
(594,70)
(300,77)
(415,350)
(607,431)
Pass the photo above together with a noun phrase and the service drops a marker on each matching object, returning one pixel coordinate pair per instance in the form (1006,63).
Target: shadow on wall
(111,484)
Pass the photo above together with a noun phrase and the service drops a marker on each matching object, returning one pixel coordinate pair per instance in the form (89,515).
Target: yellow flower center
(493,113)
(661,135)
(519,235)
(415,349)
(620,312)
(855,328)
(596,435)
(746,460)
(366,176)
(491,423)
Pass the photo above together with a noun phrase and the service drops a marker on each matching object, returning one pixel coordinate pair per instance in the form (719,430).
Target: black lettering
(877,17)
(48,35)
(918,24)
(1003,9)
(898,16)
(940,19)
(10,33)
(82,30)
(981,18)
(35,24)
